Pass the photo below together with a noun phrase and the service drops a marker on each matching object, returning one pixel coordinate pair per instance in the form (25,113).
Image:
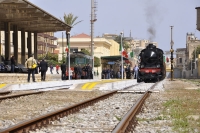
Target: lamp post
(68,45)
(93,19)
(171,50)
(62,47)
(92,39)
(195,64)
(122,66)
(191,67)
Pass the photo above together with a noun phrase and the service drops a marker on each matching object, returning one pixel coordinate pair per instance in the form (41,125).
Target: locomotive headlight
(158,65)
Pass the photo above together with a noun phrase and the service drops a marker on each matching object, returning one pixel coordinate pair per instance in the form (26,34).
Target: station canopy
(113,58)
(29,17)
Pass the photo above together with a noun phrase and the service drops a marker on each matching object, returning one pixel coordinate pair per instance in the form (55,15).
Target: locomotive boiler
(152,67)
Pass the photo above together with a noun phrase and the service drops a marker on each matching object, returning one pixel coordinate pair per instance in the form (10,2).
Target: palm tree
(70,19)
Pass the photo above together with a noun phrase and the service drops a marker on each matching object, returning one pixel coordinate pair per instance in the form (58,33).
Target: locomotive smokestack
(151,46)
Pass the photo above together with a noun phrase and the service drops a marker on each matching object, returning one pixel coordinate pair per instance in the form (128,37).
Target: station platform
(16,82)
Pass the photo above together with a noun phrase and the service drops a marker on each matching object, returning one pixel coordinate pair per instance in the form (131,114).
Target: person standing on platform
(63,71)
(118,74)
(57,68)
(135,71)
(76,71)
(79,74)
(112,74)
(70,73)
(84,69)
(128,72)
(51,69)
(104,73)
(108,73)
(89,71)
(43,67)
(28,64)
(12,60)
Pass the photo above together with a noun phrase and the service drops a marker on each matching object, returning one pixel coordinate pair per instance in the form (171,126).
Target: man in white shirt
(135,71)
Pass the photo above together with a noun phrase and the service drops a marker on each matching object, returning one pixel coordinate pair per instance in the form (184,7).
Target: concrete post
(23,52)
(35,46)
(29,46)
(15,42)
(7,40)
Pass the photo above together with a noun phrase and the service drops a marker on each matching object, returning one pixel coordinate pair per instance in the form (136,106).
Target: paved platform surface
(16,81)
(79,85)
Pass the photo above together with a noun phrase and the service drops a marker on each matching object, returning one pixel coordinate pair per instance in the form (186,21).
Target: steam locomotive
(152,67)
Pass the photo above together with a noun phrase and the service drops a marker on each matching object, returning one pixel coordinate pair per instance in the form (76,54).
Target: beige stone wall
(114,49)
(192,47)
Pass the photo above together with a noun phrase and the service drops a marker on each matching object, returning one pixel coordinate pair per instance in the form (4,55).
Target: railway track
(9,95)
(126,124)
(4,93)
(19,95)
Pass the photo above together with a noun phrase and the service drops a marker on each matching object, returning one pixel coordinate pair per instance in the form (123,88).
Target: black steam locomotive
(151,65)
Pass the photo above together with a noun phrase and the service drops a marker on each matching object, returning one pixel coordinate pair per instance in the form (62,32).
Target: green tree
(70,19)
(96,61)
(125,44)
(85,51)
(52,59)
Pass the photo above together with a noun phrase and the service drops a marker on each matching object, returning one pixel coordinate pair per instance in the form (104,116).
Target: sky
(146,19)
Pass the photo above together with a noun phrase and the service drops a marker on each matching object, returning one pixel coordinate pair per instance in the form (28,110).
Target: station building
(20,23)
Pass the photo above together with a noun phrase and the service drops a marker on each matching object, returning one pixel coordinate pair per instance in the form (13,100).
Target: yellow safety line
(90,86)
(84,86)
(2,85)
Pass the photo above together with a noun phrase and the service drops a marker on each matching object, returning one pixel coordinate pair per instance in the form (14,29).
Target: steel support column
(171,50)
(15,42)
(68,53)
(29,46)
(35,46)
(23,52)
(7,40)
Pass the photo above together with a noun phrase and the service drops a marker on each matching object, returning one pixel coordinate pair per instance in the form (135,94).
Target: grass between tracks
(183,106)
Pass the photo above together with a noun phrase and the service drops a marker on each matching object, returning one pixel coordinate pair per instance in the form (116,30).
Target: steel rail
(30,93)
(128,121)
(39,122)
(5,92)
(18,95)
